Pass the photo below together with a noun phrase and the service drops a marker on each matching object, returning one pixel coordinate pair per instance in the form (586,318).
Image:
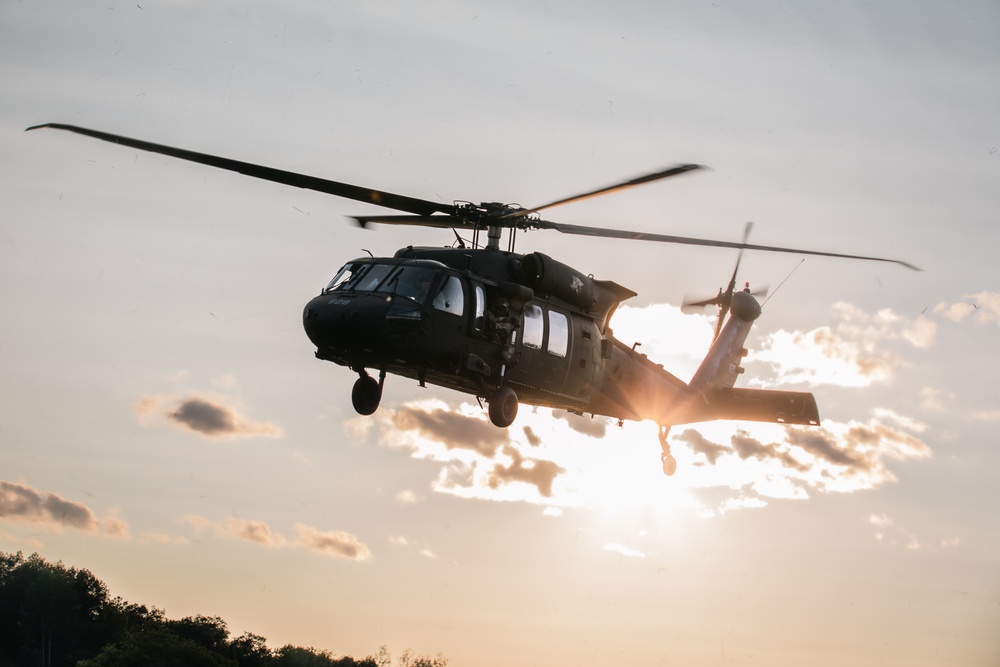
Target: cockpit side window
(451,297)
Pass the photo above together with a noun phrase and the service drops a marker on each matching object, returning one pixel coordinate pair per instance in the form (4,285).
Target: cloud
(478,459)
(205,415)
(407,497)
(983,308)
(254,531)
(536,472)
(331,543)
(20,502)
(595,427)
(453,430)
(723,466)
(623,550)
(935,400)
(702,445)
(791,461)
(887,531)
(401,541)
(852,353)
(115,527)
(336,543)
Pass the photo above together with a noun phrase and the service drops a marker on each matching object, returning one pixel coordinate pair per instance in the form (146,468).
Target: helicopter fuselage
(476,320)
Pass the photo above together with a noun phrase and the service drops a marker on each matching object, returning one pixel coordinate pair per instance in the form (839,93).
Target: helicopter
(512,328)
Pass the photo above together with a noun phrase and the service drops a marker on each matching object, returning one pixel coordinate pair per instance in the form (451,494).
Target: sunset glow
(167,426)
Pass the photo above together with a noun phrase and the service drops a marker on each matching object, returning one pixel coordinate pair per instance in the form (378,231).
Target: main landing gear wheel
(669,462)
(503,407)
(366,395)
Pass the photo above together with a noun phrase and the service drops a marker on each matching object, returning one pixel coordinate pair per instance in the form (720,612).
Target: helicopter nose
(339,323)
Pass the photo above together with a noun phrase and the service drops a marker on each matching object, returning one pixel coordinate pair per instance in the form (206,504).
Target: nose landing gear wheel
(366,395)
(503,407)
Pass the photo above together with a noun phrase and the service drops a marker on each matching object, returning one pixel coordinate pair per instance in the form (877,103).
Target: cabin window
(480,322)
(534,327)
(558,334)
(451,297)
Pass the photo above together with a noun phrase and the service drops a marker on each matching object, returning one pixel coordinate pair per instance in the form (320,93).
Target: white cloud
(983,308)
(851,353)
(623,550)
(407,497)
(887,531)
(332,543)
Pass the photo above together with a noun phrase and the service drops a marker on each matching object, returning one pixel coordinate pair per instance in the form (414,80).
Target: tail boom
(711,391)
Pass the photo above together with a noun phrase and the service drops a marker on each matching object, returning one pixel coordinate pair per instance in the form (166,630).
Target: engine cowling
(545,275)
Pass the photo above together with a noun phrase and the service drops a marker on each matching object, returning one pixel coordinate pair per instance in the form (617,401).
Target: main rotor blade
(666,173)
(687,240)
(439,221)
(357,193)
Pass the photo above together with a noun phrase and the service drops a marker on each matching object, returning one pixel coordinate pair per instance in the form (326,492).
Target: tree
(55,616)
(250,650)
(41,618)
(406,659)
(208,631)
(156,647)
(296,656)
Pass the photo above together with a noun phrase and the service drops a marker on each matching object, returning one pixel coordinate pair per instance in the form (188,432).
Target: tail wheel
(669,464)
(366,395)
(503,407)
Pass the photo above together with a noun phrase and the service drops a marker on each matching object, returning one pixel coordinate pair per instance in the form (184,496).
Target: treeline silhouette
(54,616)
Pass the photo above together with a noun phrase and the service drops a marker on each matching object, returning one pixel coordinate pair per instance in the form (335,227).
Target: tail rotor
(724,298)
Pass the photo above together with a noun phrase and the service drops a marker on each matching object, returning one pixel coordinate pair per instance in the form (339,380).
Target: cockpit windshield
(406,280)
(359,276)
(413,282)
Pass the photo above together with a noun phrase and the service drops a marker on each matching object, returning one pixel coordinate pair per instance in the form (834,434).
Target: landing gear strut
(669,462)
(367,393)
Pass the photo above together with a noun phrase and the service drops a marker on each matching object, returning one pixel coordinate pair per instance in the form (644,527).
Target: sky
(164,423)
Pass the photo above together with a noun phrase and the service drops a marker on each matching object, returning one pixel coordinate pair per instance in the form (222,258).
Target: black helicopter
(511,328)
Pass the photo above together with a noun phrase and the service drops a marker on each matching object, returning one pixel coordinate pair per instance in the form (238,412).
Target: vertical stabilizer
(721,366)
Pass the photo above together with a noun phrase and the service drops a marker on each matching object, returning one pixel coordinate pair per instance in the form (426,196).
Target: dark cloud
(538,472)
(747,447)
(702,445)
(207,416)
(595,427)
(20,502)
(744,446)
(823,445)
(533,439)
(200,415)
(453,430)
(340,544)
